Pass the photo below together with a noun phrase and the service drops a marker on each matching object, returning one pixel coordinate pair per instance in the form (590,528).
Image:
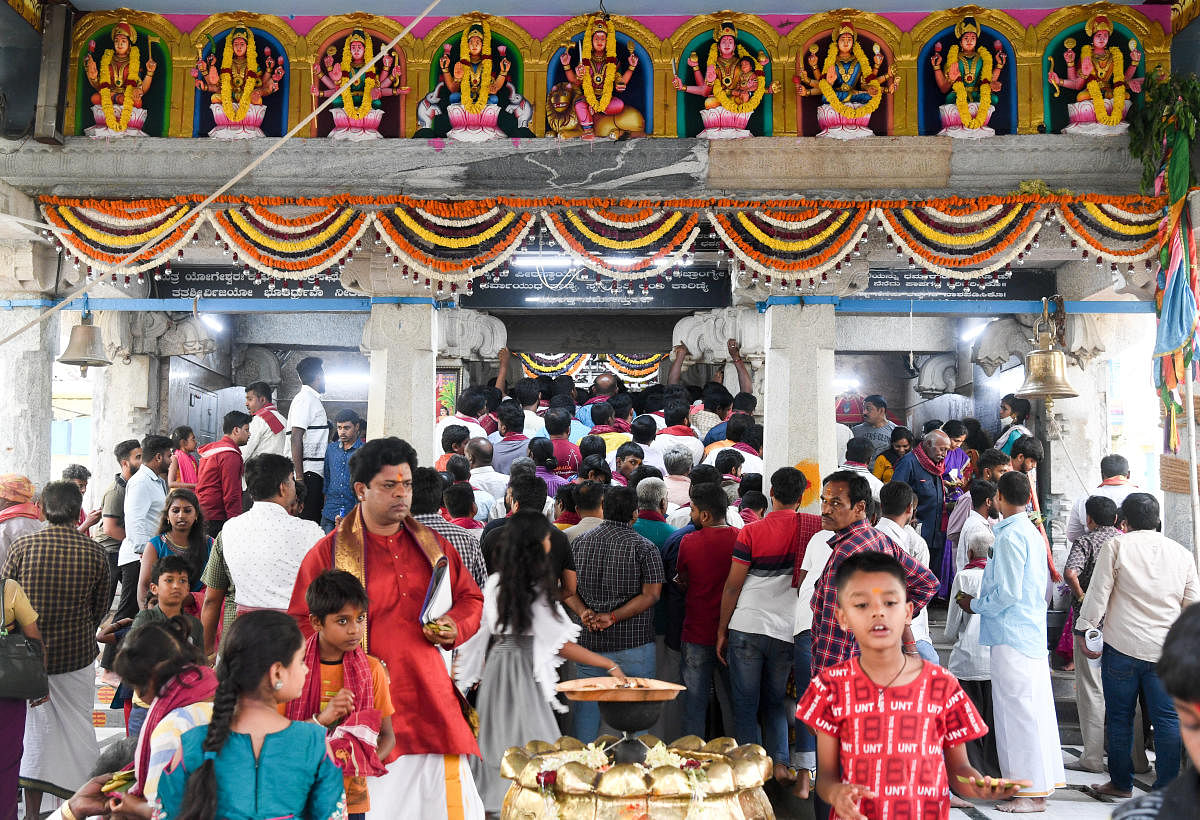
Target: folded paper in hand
(438,599)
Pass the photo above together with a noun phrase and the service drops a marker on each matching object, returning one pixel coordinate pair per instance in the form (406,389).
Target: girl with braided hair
(250,761)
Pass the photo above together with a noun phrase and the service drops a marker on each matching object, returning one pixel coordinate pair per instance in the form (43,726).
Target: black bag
(22,669)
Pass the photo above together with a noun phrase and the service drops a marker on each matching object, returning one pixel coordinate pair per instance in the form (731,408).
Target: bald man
(922,470)
(483,475)
(605,386)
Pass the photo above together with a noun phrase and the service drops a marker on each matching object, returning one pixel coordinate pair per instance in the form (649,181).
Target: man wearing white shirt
(858,453)
(145,495)
(310,435)
(268,427)
(678,433)
(263,547)
(1114,484)
(483,475)
(970,661)
(898,504)
(977,529)
(1142,582)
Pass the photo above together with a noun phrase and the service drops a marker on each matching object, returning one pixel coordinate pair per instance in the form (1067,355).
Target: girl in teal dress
(251,762)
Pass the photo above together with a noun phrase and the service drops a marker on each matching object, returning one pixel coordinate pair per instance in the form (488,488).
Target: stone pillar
(25,375)
(400,342)
(125,403)
(799,395)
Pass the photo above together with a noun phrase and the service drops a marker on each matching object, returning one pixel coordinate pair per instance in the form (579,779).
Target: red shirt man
(219,482)
(395,555)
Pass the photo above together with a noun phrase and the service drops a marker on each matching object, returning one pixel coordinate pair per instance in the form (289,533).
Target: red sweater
(219,483)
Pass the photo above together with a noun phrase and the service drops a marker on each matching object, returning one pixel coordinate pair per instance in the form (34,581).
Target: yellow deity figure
(239,86)
(119,81)
(851,86)
(1101,77)
(970,78)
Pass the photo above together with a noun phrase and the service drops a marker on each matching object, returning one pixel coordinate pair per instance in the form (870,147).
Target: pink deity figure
(747,82)
(1099,64)
(597,71)
(118,74)
(723,68)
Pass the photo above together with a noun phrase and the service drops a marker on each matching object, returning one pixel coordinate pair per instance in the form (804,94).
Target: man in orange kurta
(394,556)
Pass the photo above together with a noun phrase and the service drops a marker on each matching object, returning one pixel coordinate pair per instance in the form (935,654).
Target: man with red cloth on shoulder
(268,427)
(219,481)
(395,556)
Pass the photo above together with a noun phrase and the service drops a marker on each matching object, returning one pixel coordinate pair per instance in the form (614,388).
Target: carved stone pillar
(799,395)
(400,341)
(707,336)
(465,336)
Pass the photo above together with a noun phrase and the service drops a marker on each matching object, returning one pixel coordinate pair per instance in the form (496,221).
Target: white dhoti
(425,787)
(60,740)
(1026,724)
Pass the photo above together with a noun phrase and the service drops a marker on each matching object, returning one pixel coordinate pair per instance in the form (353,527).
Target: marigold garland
(454,241)
(793,246)
(106,92)
(249,82)
(722,96)
(358,112)
(875,89)
(625,244)
(1118,98)
(471,103)
(610,68)
(980,119)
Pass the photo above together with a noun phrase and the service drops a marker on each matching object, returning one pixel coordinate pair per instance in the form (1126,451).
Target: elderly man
(1142,582)
(678,461)
(19,513)
(1114,484)
(65,575)
(605,386)
(922,469)
(483,474)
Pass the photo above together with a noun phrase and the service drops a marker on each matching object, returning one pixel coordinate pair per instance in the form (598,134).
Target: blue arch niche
(929,96)
(639,94)
(274,124)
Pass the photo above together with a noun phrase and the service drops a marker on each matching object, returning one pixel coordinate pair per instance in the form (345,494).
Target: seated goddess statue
(732,84)
(970,80)
(117,104)
(1103,81)
(238,87)
(851,86)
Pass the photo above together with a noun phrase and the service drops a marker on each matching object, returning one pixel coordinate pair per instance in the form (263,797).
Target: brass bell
(1046,367)
(86,347)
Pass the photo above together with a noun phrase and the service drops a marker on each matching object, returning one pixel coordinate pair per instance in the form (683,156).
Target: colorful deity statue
(238,87)
(970,79)
(1102,79)
(120,84)
(597,82)
(732,84)
(358,112)
(851,86)
(474,88)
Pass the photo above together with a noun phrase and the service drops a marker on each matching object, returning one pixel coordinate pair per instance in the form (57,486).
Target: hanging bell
(1046,367)
(86,347)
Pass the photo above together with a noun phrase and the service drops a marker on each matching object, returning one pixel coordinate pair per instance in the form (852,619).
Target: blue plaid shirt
(339,494)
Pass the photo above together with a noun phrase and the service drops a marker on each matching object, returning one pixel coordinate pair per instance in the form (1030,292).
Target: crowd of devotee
(298,621)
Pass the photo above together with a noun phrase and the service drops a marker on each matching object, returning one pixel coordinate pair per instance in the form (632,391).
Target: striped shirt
(770,550)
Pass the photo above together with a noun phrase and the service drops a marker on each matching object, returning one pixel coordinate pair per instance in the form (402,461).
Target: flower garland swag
(985,91)
(610,66)
(370,80)
(875,87)
(540,364)
(591,235)
(250,81)
(442,248)
(962,245)
(100,239)
(132,78)
(636,369)
(1119,92)
(1120,235)
(774,243)
(295,248)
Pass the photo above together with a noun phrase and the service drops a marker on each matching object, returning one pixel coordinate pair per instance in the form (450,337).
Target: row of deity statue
(600,83)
